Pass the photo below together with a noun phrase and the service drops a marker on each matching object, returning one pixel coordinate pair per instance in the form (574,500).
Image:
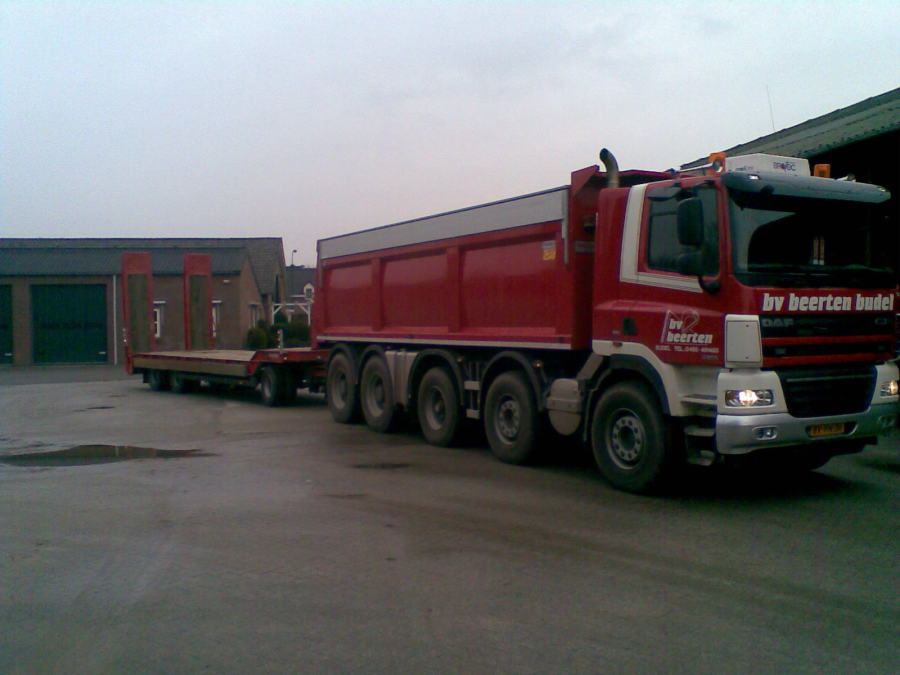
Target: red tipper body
(514,273)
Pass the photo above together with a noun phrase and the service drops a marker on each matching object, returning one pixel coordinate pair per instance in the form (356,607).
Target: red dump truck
(663,318)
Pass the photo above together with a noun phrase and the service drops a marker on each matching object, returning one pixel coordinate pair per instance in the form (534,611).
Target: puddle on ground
(382,465)
(81,455)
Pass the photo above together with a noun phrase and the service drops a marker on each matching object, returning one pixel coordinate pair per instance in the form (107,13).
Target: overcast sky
(309,119)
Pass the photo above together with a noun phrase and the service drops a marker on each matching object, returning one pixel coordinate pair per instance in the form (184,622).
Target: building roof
(266,255)
(107,261)
(297,278)
(870,117)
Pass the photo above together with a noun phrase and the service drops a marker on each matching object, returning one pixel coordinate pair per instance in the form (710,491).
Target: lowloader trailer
(277,373)
(747,308)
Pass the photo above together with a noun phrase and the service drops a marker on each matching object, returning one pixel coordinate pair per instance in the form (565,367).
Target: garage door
(5,324)
(69,323)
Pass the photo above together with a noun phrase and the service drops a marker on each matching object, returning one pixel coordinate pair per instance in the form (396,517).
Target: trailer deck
(239,363)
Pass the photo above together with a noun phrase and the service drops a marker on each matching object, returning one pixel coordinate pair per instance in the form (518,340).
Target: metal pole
(115,314)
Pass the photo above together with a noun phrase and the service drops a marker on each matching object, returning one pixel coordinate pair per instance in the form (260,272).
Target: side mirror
(690,264)
(690,222)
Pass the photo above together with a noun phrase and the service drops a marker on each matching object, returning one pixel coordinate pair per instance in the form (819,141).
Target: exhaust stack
(612,168)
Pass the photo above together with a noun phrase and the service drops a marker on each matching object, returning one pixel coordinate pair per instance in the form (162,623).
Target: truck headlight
(890,388)
(745,398)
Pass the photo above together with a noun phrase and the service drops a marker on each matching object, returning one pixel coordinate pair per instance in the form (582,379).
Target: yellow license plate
(817,430)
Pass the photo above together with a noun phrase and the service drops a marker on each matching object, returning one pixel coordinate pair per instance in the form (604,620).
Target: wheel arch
(351,354)
(506,361)
(624,368)
(367,353)
(425,361)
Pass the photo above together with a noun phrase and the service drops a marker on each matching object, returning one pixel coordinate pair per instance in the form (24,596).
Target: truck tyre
(270,387)
(376,395)
(340,390)
(288,390)
(158,380)
(630,438)
(438,409)
(180,384)
(510,419)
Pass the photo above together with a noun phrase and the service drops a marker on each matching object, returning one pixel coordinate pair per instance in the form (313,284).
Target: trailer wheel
(340,390)
(180,384)
(376,395)
(288,388)
(270,387)
(630,438)
(438,407)
(158,380)
(510,420)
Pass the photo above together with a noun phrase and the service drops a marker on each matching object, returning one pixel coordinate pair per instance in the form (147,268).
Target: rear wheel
(340,390)
(181,384)
(158,380)
(270,386)
(376,395)
(438,409)
(288,388)
(510,420)
(630,438)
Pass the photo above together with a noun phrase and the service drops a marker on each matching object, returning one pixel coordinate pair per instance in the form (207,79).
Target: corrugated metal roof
(871,117)
(106,261)
(266,253)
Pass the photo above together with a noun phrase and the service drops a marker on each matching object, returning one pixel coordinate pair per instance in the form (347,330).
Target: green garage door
(6,324)
(69,323)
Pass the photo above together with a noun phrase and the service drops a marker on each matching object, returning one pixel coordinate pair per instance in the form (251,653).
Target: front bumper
(740,434)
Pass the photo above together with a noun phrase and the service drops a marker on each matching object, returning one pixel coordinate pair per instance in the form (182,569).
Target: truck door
(670,314)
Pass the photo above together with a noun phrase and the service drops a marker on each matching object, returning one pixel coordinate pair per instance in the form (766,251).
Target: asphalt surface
(207,533)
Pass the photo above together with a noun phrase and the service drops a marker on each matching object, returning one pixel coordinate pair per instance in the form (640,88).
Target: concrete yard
(288,543)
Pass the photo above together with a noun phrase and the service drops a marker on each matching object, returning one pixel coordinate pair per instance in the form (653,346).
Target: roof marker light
(716,163)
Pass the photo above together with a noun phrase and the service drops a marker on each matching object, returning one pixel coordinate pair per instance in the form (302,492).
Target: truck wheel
(180,384)
(438,407)
(288,388)
(510,420)
(630,438)
(340,390)
(270,387)
(376,395)
(158,380)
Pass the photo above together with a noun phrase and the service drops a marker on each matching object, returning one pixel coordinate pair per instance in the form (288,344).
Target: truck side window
(663,248)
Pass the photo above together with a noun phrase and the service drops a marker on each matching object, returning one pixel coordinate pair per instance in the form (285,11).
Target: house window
(308,291)
(255,314)
(217,316)
(159,307)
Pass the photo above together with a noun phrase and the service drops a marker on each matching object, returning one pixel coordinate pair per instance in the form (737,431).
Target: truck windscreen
(802,242)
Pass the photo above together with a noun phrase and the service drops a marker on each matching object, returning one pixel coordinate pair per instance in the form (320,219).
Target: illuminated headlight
(890,388)
(745,398)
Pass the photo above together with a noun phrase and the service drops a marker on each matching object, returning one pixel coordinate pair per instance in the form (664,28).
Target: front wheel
(510,419)
(630,438)
(438,407)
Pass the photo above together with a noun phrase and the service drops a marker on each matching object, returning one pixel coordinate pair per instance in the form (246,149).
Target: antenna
(771,114)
